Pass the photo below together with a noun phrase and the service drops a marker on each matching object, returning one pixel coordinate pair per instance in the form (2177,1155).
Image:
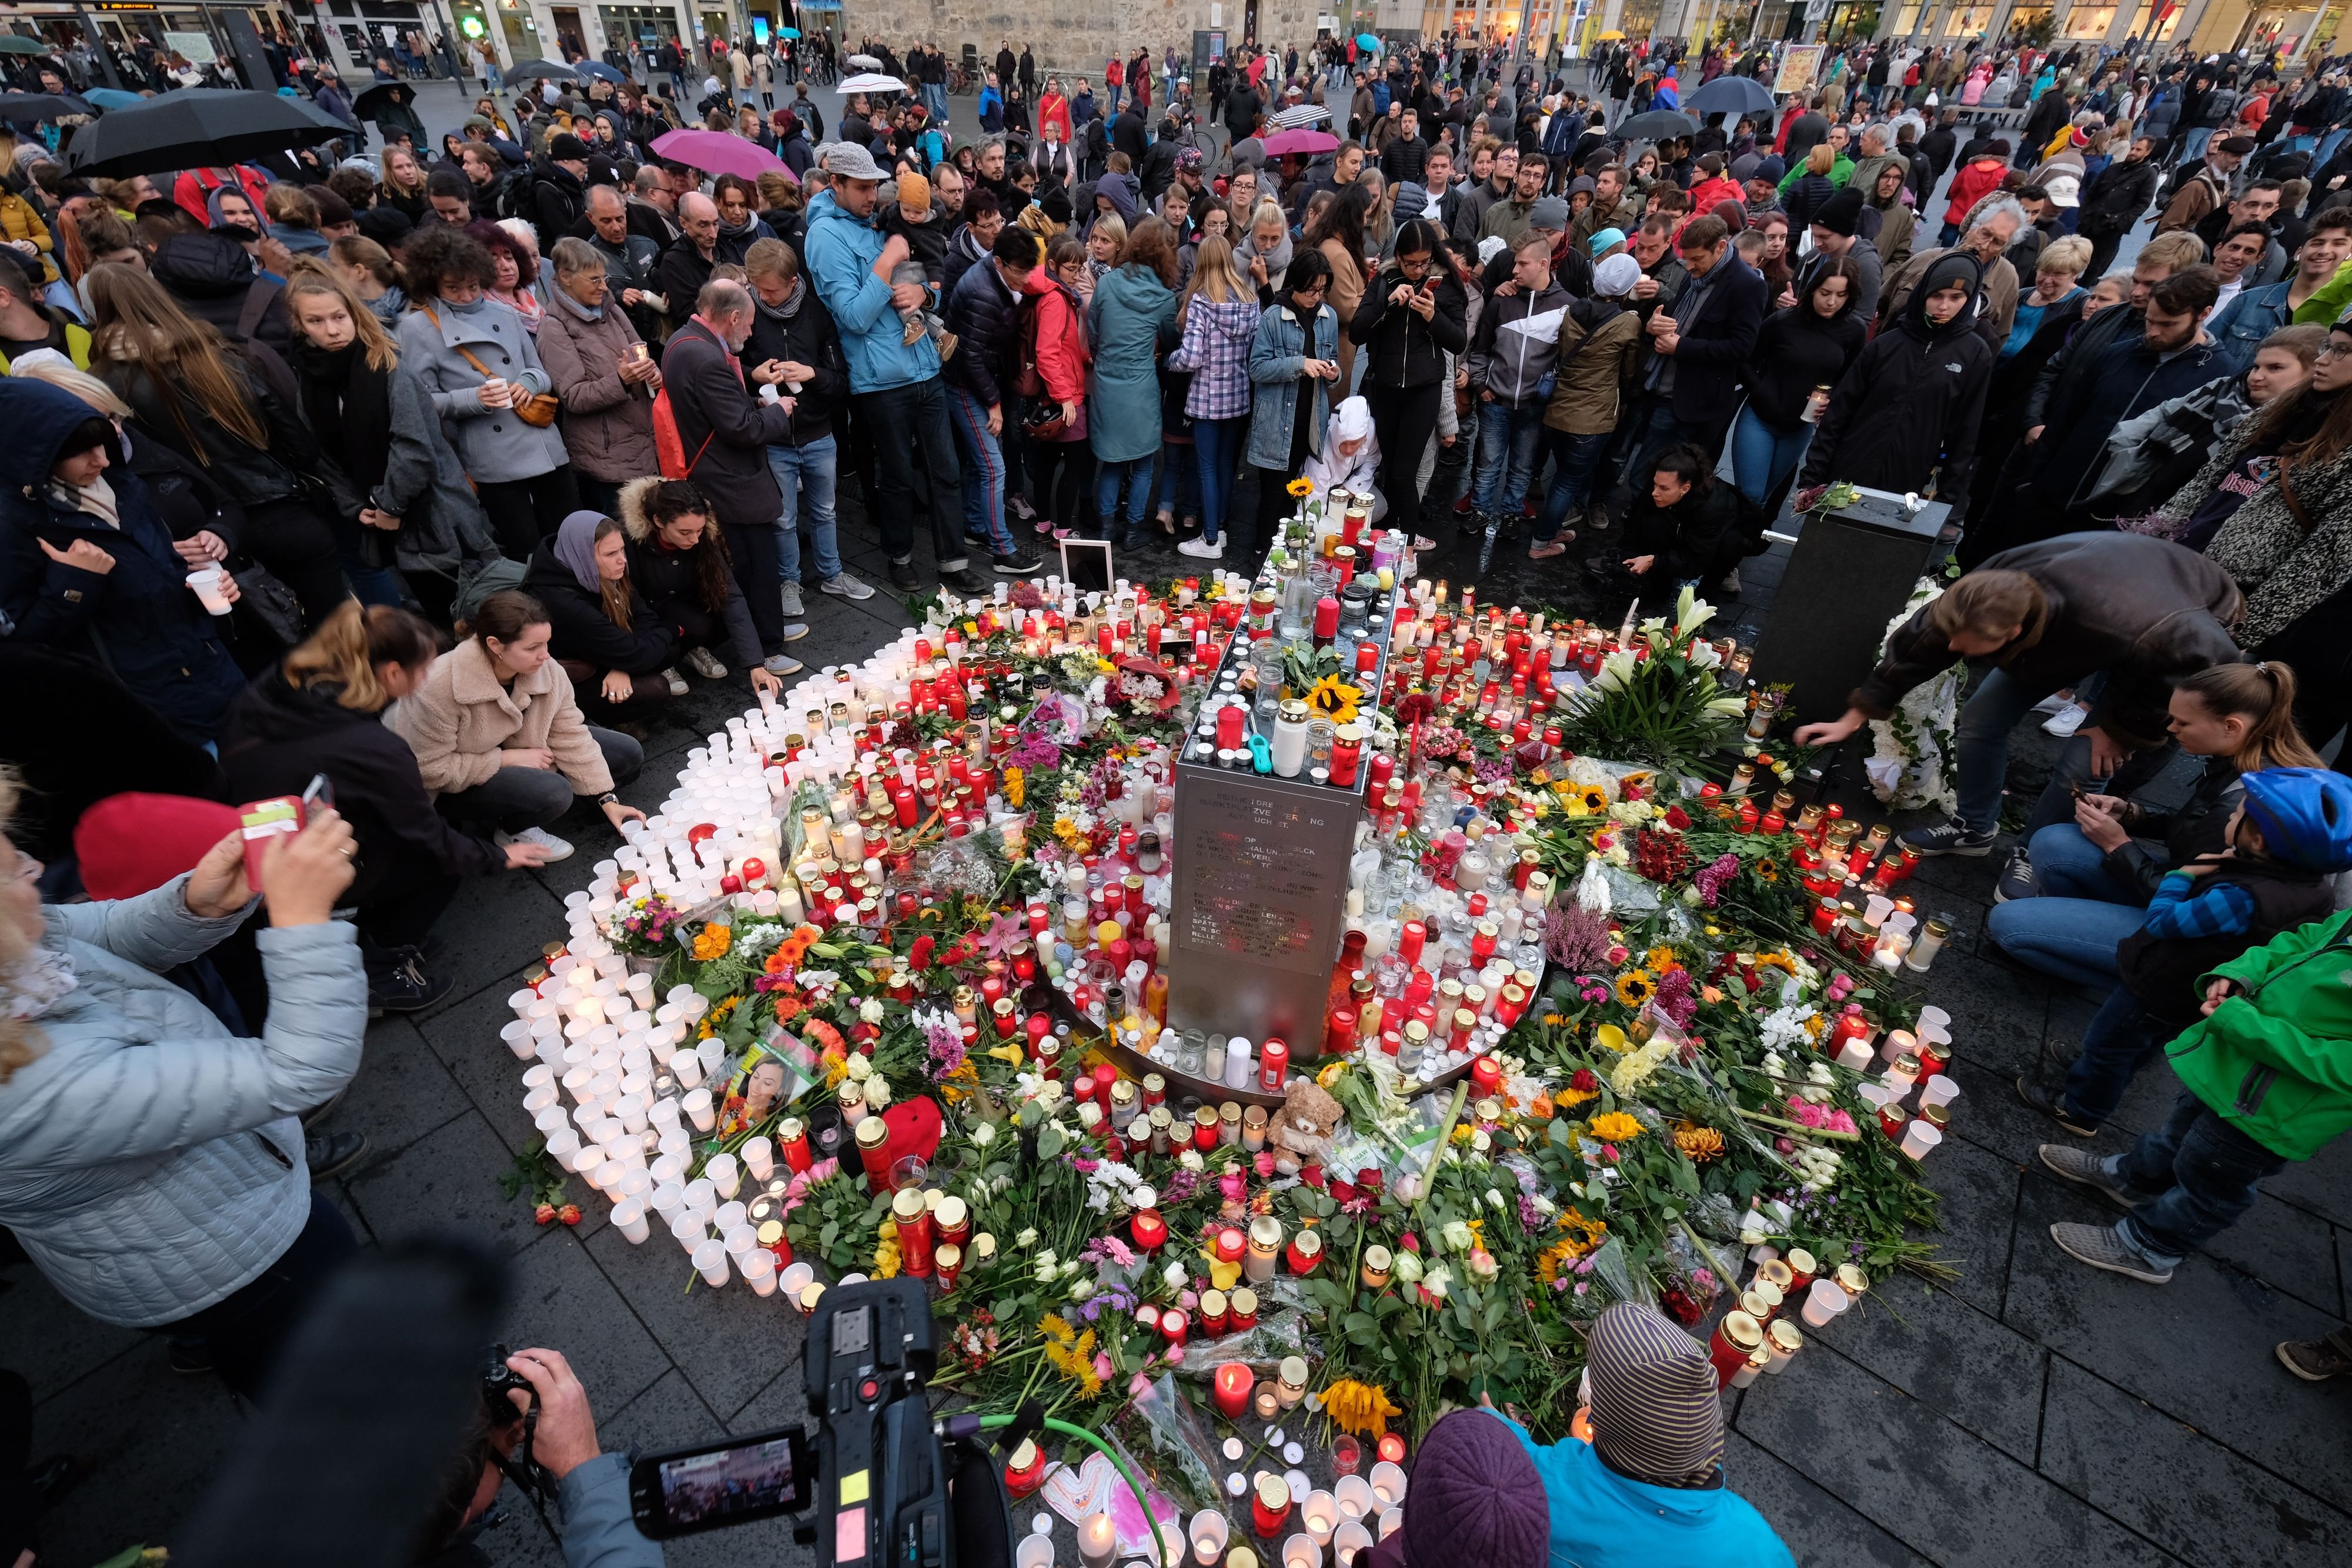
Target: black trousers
(917,475)
(2315,647)
(1404,418)
(400,910)
(1061,483)
(753,549)
(299,544)
(598,494)
(525,511)
(246,1333)
(20,1509)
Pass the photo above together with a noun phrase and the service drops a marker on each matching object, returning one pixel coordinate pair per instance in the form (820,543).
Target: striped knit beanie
(1655,1413)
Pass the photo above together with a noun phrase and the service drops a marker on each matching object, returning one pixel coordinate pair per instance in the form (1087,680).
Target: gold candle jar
(1778,1272)
(983,1250)
(1377,1265)
(1264,1248)
(1254,1128)
(1229,1123)
(1852,1280)
(1204,1127)
(1163,1126)
(1290,1381)
(1123,1100)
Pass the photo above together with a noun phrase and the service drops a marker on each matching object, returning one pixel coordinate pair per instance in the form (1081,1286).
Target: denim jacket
(1276,355)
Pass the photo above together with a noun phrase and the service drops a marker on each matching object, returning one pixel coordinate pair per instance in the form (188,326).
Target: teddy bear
(1302,1129)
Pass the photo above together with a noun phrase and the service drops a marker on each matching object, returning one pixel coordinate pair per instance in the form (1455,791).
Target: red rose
(544,1214)
(569,1213)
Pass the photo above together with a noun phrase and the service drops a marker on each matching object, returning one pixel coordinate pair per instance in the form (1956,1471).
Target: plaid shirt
(2180,910)
(1216,350)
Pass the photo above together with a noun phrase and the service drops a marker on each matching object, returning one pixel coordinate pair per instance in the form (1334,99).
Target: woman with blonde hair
(402,185)
(152,1161)
(190,393)
(1218,319)
(372,275)
(393,475)
(321,712)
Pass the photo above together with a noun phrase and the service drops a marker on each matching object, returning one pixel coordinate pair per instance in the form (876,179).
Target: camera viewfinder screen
(716,1488)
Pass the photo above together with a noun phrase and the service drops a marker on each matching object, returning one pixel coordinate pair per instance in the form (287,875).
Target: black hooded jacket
(277,736)
(1911,404)
(216,281)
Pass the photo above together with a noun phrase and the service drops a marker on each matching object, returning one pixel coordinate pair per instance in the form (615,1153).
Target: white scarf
(38,982)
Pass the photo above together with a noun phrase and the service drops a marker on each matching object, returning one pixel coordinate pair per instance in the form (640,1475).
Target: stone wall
(1071,35)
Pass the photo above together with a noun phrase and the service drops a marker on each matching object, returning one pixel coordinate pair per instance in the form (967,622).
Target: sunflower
(1071,1352)
(1301,487)
(1767,870)
(1334,699)
(1660,958)
(1015,786)
(1363,1408)
(1635,986)
(1587,1234)
(1700,1145)
(1593,798)
(1615,1128)
(1552,1260)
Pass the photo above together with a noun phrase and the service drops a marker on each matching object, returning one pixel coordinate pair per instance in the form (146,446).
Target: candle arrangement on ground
(883,989)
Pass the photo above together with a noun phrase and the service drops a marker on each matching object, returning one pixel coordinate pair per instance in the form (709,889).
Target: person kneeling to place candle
(2263,1071)
(1649,1488)
(321,712)
(151,1162)
(499,739)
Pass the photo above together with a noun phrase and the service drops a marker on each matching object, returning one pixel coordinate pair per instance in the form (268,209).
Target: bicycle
(960,82)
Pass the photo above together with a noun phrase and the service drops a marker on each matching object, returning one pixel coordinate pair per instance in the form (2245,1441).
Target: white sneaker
(702,663)
(781,665)
(1202,550)
(2065,721)
(557,849)
(678,687)
(794,608)
(844,586)
(2053,702)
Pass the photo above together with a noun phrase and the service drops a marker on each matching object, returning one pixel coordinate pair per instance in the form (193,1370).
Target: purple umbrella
(1283,142)
(720,153)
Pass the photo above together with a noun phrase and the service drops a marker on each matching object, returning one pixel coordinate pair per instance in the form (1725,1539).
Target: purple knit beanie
(1475,1497)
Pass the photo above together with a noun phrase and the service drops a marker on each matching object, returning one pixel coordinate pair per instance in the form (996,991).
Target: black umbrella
(370,103)
(26,108)
(1729,95)
(197,128)
(524,69)
(1656,126)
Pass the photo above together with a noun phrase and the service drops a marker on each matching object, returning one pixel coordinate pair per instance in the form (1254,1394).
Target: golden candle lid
(1742,1329)
(811,1293)
(1785,1337)
(1229,1112)
(790,1130)
(983,1247)
(1266,1231)
(932,1198)
(873,1132)
(552,951)
(1024,1456)
(1244,1301)
(771,1232)
(1801,1262)
(1779,1273)
(1307,1242)
(1139,1130)
(906,1205)
(1752,1303)
(950,1257)
(1241,1557)
(1378,1259)
(1254,1117)
(1272,1493)
(1213,1302)
(953,1211)
(1852,1280)
(1294,1369)
(1207,1116)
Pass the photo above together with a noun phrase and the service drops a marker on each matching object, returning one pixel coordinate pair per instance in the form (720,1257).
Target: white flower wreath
(1912,762)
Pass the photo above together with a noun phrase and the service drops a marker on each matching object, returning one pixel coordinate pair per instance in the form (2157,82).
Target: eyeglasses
(2332,349)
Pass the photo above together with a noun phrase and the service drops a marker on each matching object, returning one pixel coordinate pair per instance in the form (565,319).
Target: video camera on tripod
(890,1487)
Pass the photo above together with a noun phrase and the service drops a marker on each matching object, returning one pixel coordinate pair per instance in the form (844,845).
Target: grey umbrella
(1729,95)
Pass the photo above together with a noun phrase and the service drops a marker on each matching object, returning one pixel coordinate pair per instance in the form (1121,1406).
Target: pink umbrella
(720,153)
(1308,142)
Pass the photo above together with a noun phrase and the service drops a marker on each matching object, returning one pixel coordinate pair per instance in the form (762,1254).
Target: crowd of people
(437,472)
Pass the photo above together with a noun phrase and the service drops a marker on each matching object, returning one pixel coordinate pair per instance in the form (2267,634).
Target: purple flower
(945,1043)
(1488,772)
(1711,879)
(1530,1218)
(1033,749)
(1674,998)
(1575,938)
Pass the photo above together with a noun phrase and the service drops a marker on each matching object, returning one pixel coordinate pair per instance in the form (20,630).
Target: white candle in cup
(553,1119)
(688,1068)
(1939,1091)
(668,1199)
(588,1162)
(1098,1541)
(516,1033)
(701,1197)
(1387,1484)
(1349,1540)
(1921,1138)
(711,1257)
(1209,1532)
(1320,1515)
(1352,1495)
(729,1215)
(1034,1550)
(563,1144)
(1391,1520)
(1301,1551)
(697,1108)
(758,1157)
(758,1267)
(725,1172)
(1824,1300)
(629,1220)
(631,1110)
(795,1279)
(540,1099)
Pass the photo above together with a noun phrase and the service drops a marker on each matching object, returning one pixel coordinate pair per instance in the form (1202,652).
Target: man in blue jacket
(2239,327)
(894,385)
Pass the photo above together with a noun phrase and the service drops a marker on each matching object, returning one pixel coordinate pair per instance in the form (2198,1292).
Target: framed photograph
(1086,564)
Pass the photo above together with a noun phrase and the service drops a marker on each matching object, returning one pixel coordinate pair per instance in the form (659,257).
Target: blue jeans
(1180,481)
(2072,927)
(1112,89)
(2122,1037)
(1762,457)
(1135,476)
(810,469)
(935,95)
(1575,460)
(1507,454)
(2193,143)
(2200,1173)
(1216,449)
(2327,146)
(1981,744)
(983,471)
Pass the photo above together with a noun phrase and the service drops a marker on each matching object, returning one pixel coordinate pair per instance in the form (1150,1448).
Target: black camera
(888,1484)
(498,1380)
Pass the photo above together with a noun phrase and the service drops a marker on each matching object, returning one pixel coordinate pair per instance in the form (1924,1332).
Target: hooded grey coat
(494,443)
(151,1162)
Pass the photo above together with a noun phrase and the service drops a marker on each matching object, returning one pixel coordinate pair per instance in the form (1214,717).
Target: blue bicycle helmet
(2305,815)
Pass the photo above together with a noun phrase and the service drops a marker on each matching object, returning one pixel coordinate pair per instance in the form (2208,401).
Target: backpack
(669,447)
(518,194)
(491,577)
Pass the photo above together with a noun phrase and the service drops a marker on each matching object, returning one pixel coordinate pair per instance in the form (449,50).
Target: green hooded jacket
(2275,1058)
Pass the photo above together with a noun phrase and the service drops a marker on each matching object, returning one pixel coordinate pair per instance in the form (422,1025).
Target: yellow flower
(1334,699)
(1615,1128)
(885,1252)
(1330,1074)
(1587,1234)
(1016,785)
(712,942)
(1660,958)
(1612,1038)
(1635,986)
(1301,487)
(1072,1354)
(1593,798)
(1553,1257)
(1573,1097)
(1699,1143)
(1363,1408)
